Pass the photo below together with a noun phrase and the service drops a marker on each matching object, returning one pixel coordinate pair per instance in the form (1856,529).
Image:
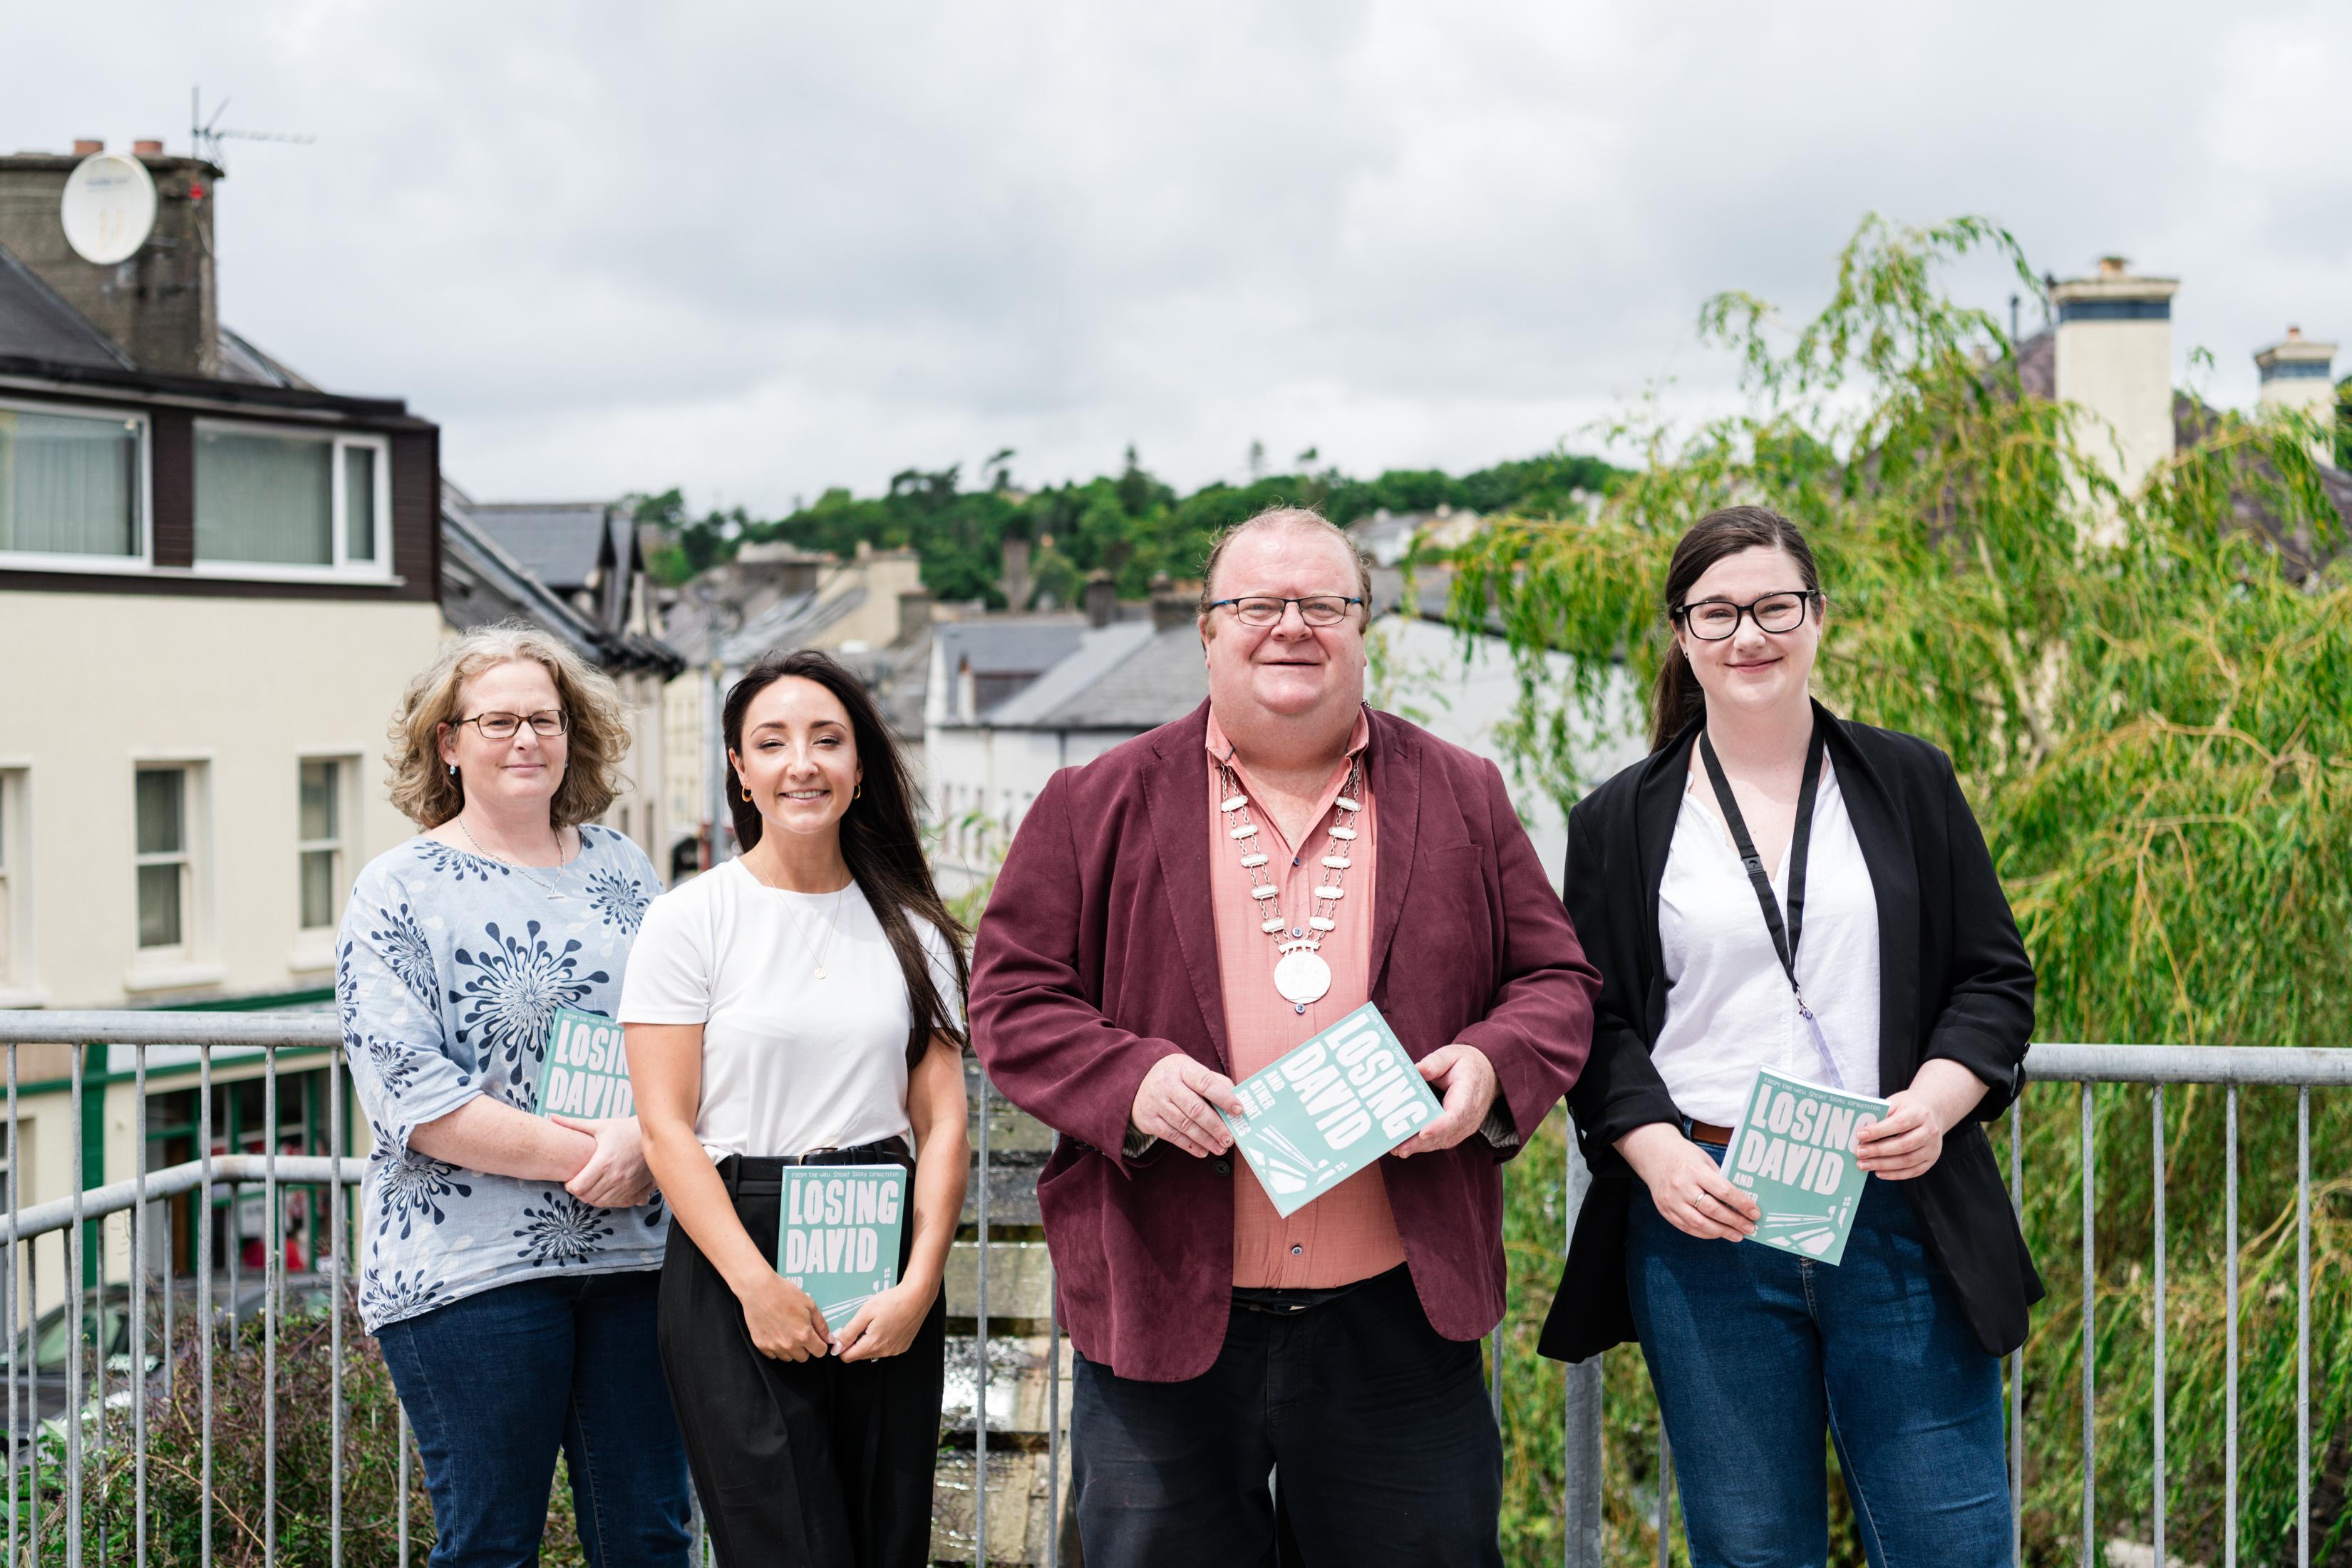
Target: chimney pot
(149,147)
(2112,266)
(87,146)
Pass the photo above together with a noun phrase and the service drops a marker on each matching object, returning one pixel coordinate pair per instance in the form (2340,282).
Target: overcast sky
(759,249)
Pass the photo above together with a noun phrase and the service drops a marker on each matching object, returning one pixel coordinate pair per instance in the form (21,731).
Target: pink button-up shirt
(1348,1233)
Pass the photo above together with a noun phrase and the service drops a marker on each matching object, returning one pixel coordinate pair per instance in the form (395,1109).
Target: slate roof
(1009,645)
(1125,676)
(1099,651)
(35,322)
(482,584)
(560,543)
(787,625)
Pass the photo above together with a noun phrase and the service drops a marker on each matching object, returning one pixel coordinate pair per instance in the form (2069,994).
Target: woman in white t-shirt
(804,1006)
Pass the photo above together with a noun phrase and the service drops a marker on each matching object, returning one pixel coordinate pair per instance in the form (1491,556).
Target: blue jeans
(495,1383)
(1754,1352)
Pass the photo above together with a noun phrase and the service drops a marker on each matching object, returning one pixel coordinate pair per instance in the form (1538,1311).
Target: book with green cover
(586,1073)
(837,1234)
(1329,1107)
(1793,1152)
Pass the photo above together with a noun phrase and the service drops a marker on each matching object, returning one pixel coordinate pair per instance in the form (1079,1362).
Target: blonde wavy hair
(596,731)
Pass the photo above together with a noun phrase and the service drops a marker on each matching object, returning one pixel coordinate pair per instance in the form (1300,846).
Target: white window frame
(191,962)
(18,987)
(342,569)
(101,566)
(314,945)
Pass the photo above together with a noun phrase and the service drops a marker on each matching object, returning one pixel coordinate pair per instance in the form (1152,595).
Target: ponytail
(1677,702)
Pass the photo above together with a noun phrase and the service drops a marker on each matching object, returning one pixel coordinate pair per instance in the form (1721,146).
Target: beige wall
(244,688)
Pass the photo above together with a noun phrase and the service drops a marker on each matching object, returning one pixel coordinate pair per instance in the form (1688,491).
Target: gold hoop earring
(747,791)
(857,790)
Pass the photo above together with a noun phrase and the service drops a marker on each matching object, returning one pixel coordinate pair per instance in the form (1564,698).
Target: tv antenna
(205,136)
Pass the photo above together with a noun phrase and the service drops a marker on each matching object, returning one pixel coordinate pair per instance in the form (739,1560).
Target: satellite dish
(108,208)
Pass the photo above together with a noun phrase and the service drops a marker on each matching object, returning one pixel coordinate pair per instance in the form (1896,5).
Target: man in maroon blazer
(1172,917)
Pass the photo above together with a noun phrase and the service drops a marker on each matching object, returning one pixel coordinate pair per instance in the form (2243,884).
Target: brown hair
(596,731)
(879,835)
(1301,517)
(1677,702)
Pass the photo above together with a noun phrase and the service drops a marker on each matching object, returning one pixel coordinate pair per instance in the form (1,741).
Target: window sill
(22,996)
(94,564)
(263,571)
(172,976)
(313,952)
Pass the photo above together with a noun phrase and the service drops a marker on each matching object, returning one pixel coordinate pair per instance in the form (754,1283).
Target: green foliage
(2153,722)
(1129,524)
(305,1448)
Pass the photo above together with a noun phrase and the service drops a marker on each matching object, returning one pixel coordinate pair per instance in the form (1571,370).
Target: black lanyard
(1784,936)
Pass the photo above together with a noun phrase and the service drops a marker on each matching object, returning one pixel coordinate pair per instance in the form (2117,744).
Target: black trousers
(814,1464)
(1374,1430)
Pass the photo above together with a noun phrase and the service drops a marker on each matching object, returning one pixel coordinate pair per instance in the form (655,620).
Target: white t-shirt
(790,1063)
(1729,1010)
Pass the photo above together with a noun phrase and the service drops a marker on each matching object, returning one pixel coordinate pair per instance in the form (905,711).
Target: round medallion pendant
(1302,977)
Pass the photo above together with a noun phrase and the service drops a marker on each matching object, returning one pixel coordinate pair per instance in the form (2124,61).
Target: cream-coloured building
(215,580)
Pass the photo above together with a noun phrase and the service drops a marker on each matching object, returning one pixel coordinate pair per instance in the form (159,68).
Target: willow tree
(2150,709)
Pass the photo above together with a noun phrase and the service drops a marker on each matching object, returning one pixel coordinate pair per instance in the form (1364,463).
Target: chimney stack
(147,147)
(2113,358)
(2298,374)
(1018,580)
(1101,600)
(160,307)
(914,614)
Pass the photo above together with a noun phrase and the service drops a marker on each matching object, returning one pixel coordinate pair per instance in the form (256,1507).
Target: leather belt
(1708,1132)
(756,1174)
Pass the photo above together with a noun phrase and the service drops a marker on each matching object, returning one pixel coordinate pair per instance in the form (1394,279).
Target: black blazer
(1954,982)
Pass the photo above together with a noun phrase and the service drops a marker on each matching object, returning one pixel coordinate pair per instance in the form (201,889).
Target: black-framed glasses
(1265,610)
(546,722)
(1712,620)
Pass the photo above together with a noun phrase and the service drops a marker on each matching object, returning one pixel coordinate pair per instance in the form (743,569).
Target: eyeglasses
(1264,610)
(548,721)
(1712,620)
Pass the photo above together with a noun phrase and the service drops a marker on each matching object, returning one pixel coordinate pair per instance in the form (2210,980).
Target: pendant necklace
(1301,973)
(562,861)
(816,952)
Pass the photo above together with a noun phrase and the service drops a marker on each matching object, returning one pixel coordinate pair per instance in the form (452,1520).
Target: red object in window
(195,191)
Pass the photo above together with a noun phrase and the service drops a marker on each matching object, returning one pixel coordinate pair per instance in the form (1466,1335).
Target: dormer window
(73,488)
(273,501)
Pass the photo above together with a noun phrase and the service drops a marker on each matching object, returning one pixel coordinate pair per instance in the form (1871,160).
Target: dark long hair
(878,838)
(1678,701)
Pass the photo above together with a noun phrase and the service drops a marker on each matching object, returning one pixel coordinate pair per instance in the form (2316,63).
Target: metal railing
(87,1410)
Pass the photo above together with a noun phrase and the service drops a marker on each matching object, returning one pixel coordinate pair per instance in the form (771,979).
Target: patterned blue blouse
(448,968)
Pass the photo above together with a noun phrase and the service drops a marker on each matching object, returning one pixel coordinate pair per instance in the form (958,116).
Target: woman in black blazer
(1908,958)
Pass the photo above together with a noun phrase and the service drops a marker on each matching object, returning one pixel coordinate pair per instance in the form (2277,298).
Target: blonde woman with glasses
(508,1261)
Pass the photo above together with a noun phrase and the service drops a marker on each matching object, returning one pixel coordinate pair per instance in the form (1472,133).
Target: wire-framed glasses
(547,721)
(1265,609)
(1712,620)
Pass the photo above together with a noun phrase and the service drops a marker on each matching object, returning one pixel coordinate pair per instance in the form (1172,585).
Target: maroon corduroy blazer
(1099,956)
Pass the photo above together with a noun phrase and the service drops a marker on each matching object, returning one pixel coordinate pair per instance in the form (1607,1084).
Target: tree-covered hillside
(1130,523)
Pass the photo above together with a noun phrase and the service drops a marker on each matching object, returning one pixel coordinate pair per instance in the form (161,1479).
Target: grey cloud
(762,250)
